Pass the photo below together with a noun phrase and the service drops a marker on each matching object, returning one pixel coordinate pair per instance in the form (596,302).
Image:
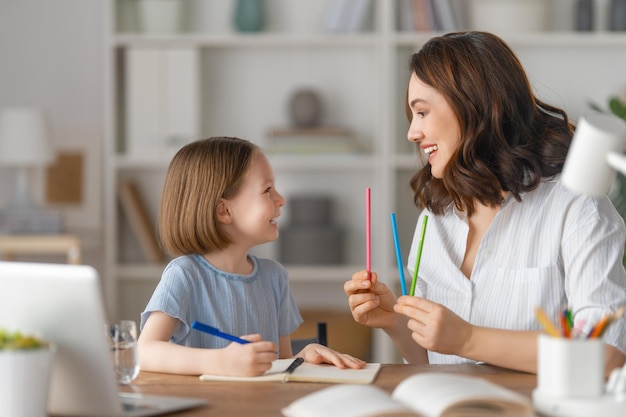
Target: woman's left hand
(316,354)
(435,327)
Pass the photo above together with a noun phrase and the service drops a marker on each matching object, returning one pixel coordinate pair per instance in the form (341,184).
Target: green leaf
(16,340)
(617,107)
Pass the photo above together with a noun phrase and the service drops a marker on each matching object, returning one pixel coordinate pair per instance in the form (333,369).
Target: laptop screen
(62,304)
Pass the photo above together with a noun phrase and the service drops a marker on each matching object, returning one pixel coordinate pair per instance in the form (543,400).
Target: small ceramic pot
(25,381)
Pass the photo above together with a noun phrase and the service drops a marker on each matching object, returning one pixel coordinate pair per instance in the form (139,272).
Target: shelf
(349,162)
(126,162)
(338,40)
(273,40)
(316,273)
(543,39)
(140,272)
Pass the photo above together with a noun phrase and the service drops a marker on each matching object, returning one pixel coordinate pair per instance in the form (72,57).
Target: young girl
(219,201)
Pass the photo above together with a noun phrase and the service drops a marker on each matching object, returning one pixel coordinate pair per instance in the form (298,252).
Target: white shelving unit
(245,82)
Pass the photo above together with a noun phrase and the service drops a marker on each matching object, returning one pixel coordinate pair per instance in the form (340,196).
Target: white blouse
(554,249)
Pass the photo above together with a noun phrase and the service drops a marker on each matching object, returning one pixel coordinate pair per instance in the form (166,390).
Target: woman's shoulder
(566,200)
(553,189)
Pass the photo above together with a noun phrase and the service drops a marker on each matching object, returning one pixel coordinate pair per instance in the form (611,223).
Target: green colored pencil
(418,257)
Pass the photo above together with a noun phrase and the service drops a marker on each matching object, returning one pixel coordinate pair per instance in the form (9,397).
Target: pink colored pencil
(368,229)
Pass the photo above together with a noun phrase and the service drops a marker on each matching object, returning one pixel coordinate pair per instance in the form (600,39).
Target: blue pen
(215,332)
(396,241)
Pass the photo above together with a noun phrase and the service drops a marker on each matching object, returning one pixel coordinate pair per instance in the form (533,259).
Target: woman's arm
(372,304)
(613,358)
(437,328)
(157,354)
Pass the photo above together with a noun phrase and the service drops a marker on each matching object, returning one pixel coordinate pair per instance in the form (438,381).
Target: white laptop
(63,303)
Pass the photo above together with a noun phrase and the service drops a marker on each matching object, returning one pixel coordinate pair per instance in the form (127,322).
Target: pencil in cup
(599,329)
(567,329)
(548,326)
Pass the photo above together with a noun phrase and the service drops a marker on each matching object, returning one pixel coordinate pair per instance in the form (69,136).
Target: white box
(162,105)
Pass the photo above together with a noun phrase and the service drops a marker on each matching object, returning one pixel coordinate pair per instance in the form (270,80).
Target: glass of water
(123,342)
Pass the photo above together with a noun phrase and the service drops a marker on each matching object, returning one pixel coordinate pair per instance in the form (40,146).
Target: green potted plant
(26,363)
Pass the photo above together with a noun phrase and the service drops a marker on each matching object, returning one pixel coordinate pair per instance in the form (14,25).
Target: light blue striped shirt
(192,289)
(553,249)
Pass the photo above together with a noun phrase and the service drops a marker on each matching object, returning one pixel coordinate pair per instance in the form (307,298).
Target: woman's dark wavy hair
(510,139)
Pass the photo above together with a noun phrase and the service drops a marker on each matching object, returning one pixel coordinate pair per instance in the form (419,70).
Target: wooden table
(238,399)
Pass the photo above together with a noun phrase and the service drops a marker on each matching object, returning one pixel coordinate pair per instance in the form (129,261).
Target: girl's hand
(433,326)
(250,359)
(371,302)
(316,353)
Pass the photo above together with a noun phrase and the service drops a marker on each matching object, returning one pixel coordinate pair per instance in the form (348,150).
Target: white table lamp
(595,154)
(23,145)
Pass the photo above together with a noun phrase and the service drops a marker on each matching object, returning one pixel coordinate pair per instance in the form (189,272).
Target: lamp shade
(588,168)
(23,137)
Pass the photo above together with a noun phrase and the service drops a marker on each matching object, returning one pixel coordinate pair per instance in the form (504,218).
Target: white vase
(160,16)
(509,16)
(25,381)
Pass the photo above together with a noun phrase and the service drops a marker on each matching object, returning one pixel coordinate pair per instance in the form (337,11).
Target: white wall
(51,56)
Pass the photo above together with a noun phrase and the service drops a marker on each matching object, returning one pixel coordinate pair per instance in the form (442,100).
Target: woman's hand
(371,302)
(316,353)
(434,327)
(250,359)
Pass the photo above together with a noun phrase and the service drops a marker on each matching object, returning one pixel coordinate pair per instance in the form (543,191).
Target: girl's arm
(157,354)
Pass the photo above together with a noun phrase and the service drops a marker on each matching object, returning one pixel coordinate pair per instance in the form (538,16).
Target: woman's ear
(223,213)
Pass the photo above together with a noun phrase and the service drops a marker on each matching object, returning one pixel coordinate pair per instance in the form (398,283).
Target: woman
(504,236)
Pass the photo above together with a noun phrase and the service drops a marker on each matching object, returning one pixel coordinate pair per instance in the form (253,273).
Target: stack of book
(312,141)
(30,222)
(431,15)
(144,228)
(348,16)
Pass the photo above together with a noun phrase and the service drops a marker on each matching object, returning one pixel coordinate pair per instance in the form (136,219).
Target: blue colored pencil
(215,332)
(396,241)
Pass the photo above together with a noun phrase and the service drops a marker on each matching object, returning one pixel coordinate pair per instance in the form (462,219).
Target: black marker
(299,361)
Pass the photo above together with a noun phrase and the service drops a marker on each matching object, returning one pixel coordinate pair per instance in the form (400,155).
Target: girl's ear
(223,213)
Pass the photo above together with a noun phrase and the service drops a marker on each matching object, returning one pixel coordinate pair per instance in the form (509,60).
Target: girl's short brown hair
(199,175)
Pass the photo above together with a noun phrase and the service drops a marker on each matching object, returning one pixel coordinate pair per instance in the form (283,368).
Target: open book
(426,394)
(307,373)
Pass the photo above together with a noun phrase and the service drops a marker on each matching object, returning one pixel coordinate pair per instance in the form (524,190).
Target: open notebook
(62,303)
(306,372)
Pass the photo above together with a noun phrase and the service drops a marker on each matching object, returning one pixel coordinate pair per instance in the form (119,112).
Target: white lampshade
(23,137)
(595,153)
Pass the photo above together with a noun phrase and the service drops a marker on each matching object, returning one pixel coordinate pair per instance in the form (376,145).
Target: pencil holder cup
(570,368)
